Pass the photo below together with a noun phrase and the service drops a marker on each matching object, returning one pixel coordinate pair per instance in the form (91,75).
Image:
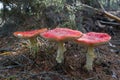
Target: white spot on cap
(19,35)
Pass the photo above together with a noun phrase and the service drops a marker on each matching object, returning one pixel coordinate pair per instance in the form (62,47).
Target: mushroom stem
(33,45)
(90,58)
(60,52)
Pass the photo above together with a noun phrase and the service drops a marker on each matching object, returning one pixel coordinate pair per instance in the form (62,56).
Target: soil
(16,62)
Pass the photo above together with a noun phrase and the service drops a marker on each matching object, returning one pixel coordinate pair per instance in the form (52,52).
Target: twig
(30,61)
(111,16)
(110,23)
(101,5)
(92,78)
(9,67)
(102,12)
(5,49)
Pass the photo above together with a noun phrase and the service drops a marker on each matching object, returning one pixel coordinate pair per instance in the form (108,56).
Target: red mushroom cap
(29,34)
(61,34)
(94,38)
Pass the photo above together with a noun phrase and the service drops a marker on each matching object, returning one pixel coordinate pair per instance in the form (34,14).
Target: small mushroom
(32,38)
(91,40)
(60,35)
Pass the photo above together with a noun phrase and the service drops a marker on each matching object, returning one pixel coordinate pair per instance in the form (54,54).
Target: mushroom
(60,35)
(91,40)
(32,38)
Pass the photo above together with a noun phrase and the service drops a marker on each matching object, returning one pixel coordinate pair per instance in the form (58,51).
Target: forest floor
(16,63)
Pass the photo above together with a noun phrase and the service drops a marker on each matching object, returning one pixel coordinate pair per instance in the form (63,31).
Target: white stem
(90,58)
(60,52)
